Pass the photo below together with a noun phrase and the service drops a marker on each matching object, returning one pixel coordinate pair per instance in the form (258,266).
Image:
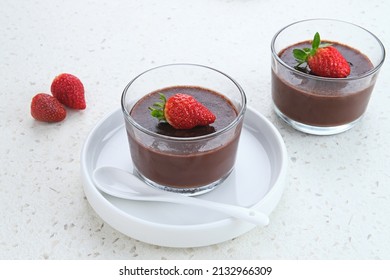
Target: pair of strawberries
(66,90)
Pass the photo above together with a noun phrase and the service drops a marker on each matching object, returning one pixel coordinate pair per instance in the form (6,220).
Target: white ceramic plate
(257,181)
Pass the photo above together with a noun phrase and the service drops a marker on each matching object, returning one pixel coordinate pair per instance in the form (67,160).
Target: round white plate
(257,181)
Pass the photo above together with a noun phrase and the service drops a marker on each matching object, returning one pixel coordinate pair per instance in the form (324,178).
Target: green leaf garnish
(300,55)
(157,110)
(316,42)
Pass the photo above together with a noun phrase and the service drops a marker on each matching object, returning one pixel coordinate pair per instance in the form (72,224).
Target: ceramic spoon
(120,183)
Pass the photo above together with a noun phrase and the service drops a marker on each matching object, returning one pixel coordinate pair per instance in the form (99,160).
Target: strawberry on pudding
(182,111)
(323,60)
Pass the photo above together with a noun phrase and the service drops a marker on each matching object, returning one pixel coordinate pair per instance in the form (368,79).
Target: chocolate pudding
(318,101)
(180,160)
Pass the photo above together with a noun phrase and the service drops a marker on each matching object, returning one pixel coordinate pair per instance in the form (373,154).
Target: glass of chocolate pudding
(320,105)
(189,161)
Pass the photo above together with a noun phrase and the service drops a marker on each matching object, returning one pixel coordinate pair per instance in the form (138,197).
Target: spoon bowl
(122,184)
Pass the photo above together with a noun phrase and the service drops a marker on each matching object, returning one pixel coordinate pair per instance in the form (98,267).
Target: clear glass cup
(193,164)
(318,105)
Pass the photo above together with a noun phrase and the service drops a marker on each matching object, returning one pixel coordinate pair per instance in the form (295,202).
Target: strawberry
(323,59)
(69,90)
(47,108)
(182,111)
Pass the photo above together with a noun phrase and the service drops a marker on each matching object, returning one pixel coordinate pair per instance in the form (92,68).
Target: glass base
(316,130)
(185,191)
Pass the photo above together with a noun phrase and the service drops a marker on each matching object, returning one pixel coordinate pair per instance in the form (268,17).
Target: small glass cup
(318,105)
(190,165)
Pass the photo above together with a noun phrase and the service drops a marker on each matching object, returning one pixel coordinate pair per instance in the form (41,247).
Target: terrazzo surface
(336,203)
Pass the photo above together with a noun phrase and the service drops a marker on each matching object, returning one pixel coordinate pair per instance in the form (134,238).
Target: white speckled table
(336,204)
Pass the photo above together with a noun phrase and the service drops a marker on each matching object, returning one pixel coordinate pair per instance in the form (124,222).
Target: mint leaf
(157,110)
(316,42)
(300,55)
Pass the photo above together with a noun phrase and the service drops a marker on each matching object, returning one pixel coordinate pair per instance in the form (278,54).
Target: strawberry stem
(157,110)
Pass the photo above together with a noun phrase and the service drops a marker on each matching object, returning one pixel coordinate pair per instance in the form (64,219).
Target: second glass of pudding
(191,161)
(319,105)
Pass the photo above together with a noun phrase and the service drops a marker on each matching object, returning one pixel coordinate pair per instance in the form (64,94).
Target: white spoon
(122,184)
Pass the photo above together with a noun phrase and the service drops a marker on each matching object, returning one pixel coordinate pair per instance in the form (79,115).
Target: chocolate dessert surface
(359,63)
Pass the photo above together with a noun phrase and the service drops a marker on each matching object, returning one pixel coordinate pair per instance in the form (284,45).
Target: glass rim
(237,119)
(368,73)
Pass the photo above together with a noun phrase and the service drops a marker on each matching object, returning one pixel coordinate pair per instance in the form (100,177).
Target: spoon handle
(243,213)
(117,182)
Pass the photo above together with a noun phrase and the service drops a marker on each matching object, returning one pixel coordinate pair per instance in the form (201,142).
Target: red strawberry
(323,59)
(69,90)
(47,108)
(182,111)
